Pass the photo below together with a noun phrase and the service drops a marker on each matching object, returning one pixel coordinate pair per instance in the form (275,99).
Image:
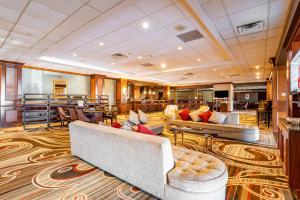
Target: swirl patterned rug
(38,165)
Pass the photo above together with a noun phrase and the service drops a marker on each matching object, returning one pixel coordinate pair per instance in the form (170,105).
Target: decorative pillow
(133,117)
(184,114)
(142,116)
(116,125)
(143,129)
(127,125)
(195,115)
(217,118)
(205,116)
(203,109)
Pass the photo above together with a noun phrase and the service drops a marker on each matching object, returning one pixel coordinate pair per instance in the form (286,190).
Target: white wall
(110,89)
(40,81)
(229,88)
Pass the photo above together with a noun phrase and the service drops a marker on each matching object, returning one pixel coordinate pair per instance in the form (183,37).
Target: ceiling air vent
(234,75)
(147,65)
(119,56)
(190,36)
(188,74)
(250,28)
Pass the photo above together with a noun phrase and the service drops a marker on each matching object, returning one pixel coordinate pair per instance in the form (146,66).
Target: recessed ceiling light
(140,57)
(214,69)
(195,76)
(163,65)
(74,54)
(257,74)
(145,25)
(221,74)
(257,77)
(179,48)
(112,63)
(137,70)
(69,68)
(198,59)
(257,67)
(101,44)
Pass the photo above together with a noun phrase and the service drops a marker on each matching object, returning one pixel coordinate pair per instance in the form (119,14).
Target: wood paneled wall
(279,95)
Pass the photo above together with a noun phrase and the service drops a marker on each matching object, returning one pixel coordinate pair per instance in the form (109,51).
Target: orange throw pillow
(205,116)
(184,114)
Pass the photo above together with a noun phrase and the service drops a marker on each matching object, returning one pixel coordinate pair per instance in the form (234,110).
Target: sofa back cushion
(217,118)
(205,116)
(140,159)
(184,114)
(232,118)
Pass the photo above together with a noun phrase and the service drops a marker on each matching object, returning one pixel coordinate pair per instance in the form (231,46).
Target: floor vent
(190,36)
(250,28)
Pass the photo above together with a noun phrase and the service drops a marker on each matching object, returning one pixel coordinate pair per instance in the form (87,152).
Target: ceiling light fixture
(179,48)
(163,65)
(257,74)
(101,44)
(214,69)
(257,67)
(257,77)
(145,25)
(140,57)
(112,63)
(221,74)
(198,59)
(74,54)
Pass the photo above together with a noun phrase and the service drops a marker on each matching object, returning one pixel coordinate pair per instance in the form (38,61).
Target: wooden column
(166,92)
(269,90)
(122,95)
(279,95)
(11,93)
(96,85)
(136,93)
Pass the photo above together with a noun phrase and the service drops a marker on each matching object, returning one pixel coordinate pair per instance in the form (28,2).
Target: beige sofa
(231,128)
(150,162)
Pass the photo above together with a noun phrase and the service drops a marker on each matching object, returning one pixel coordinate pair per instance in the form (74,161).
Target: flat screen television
(295,74)
(221,94)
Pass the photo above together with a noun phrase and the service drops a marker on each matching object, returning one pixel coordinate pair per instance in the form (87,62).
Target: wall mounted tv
(295,74)
(221,94)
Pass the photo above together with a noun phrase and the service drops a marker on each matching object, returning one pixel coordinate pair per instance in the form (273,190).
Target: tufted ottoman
(196,176)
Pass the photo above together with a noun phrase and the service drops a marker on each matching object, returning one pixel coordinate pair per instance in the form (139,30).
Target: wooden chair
(73,114)
(63,116)
(111,114)
(82,116)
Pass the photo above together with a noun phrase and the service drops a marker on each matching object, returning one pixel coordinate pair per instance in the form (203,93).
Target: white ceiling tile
(104,5)
(254,44)
(42,13)
(251,15)
(167,15)
(16,5)
(253,37)
(160,34)
(35,23)
(5,25)
(279,7)
(8,15)
(231,42)
(222,23)
(66,7)
(151,6)
(129,14)
(186,23)
(172,41)
(143,39)
(238,5)
(275,32)
(276,22)
(214,9)
(226,34)
(85,14)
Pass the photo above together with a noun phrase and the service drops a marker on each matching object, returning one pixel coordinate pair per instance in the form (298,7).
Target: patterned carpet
(38,165)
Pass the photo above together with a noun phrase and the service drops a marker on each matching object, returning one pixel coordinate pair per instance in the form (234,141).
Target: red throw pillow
(116,125)
(184,114)
(143,129)
(205,116)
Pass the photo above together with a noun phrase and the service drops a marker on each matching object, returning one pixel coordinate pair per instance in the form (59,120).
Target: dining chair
(63,116)
(81,115)
(73,114)
(112,114)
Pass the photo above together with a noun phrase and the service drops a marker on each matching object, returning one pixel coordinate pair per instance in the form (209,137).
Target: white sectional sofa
(150,162)
(231,128)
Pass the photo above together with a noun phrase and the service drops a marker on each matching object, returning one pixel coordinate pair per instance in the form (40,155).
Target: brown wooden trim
(195,86)
(11,62)
(54,70)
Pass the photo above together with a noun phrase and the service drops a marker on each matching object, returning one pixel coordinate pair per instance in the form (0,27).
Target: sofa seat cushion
(155,126)
(196,171)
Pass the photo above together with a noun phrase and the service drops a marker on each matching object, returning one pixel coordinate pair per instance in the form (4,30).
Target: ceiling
(81,35)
